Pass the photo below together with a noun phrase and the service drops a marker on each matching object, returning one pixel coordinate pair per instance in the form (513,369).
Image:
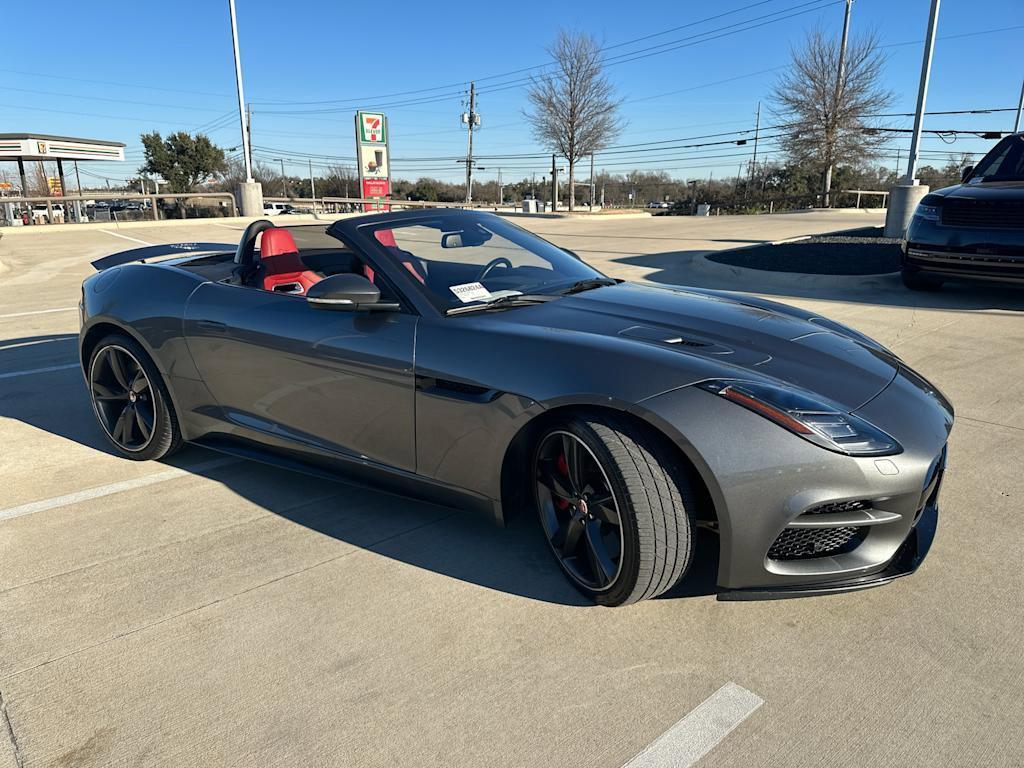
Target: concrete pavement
(231,614)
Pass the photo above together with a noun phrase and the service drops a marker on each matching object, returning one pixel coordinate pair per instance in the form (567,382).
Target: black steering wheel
(491,265)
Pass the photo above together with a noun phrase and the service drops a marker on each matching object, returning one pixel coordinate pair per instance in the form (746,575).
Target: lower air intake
(804,543)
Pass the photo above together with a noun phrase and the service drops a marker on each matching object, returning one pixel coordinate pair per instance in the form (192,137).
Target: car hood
(755,338)
(986,190)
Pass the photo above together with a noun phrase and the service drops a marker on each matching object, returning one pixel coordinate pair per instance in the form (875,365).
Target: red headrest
(385,237)
(276,242)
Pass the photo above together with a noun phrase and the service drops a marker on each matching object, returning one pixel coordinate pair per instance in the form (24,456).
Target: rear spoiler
(156,251)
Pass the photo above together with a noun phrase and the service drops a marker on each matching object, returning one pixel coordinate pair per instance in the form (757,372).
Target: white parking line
(110,489)
(38,312)
(701,730)
(32,371)
(125,237)
(34,343)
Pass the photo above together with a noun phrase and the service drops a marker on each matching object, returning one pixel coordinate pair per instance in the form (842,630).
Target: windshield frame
(363,228)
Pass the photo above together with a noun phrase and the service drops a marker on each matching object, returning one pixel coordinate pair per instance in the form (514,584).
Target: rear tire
(130,400)
(593,469)
(915,281)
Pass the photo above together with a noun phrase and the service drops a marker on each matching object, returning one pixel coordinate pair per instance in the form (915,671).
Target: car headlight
(929,209)
(808,418)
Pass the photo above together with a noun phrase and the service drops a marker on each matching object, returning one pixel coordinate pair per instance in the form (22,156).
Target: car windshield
(1004,163)
(463,259)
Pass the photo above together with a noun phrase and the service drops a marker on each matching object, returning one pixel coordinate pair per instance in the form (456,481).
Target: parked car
(276,209)
(974,229)
(657,204)
(454,356)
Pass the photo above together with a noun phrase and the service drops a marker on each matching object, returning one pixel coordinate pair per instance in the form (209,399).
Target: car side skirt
(352,471)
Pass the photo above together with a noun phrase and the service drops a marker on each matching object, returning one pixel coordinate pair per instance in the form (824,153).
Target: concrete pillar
(903,199)
(250,198)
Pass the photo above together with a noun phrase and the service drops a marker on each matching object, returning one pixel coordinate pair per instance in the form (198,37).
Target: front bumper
(780,501)
(962,252)
(906,561)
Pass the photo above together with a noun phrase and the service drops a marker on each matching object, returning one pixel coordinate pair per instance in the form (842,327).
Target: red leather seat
(280,264)
(387,238)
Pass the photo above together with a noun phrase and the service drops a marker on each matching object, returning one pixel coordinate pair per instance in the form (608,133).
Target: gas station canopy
(33,147)
(40,146)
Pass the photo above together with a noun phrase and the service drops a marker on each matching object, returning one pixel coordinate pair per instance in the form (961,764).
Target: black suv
(974,229)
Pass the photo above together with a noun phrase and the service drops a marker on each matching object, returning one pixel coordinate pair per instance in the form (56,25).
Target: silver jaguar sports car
(453,356)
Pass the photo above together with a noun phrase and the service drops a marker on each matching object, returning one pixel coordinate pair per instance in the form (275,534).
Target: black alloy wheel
(122,395)
(578,511)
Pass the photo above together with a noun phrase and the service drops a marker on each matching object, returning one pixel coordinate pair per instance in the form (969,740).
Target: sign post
(372,157)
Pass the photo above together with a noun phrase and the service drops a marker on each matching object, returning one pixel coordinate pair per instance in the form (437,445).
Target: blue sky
(142,66)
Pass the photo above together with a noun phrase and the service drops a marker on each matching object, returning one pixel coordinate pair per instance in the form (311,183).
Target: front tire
(130,400)
(615,507)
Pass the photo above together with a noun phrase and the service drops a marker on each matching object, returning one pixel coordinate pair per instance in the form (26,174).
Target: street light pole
(241,93)
(905,196)
(922,92)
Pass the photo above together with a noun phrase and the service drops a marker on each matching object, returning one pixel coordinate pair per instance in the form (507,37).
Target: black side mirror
(347,292)
(965,174)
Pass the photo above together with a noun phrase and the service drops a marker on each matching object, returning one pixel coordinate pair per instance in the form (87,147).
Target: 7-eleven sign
(372,128)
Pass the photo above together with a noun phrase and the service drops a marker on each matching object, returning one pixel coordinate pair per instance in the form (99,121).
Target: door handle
(213,326)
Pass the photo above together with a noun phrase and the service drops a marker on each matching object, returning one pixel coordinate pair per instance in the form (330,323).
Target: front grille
(804,543)
(838,506)
(987,214)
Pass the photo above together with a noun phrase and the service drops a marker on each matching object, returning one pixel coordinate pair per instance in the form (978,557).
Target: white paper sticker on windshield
(468,292)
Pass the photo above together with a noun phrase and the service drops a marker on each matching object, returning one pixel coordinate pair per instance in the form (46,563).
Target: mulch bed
(854,252)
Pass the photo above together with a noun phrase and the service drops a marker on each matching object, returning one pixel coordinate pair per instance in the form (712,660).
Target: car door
(339,380)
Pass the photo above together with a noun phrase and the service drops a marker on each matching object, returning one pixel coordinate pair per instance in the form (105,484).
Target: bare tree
(828,119)
(573,108)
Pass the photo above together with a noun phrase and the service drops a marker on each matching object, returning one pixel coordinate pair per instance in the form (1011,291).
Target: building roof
(48,137)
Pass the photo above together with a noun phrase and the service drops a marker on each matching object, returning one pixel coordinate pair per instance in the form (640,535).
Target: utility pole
(757,133)
(284,181)
(312,186)
(241,94)
(591,181)
(830,139)
(554,185)
(1020,108)
(501,190)
(470,119)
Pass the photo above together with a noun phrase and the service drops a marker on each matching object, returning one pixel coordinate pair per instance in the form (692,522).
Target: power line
(498,76)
